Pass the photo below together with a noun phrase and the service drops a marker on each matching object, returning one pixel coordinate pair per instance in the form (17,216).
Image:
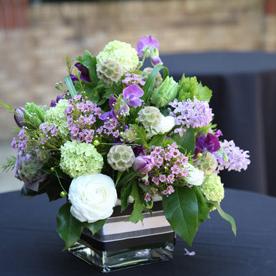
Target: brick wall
(32,57)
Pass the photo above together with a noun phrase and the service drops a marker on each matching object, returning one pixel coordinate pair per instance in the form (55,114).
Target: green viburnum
(80,159)
(165,93)
(190,88)
(212,188)
(56,115)
(117,53)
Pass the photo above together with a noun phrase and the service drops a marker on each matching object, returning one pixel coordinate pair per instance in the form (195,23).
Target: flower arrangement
(122,134)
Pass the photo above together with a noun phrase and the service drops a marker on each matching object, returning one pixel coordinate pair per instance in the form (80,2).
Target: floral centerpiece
(122,134)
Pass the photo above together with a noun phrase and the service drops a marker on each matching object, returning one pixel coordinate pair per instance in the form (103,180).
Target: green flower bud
(63,194)
(165,93)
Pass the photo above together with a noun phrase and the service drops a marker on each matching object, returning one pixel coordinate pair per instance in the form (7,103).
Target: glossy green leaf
(90,61)
(203,208)
(68,228)
(125,193)
(138,206)
(187,141)
(181,210)
(228,218)
(95,227)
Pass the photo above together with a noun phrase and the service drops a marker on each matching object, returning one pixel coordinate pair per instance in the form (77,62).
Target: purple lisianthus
(143,164)
(132,95)
(146,42)
(209,142)
(19,116)
(84,73)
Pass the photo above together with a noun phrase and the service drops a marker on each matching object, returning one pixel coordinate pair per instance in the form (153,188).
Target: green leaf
(9,164)
(68,228)
(141,135)
(203,93)
(70,86)
(203,209)
(138,206)
(128,177)
(125,193)
(187,141)
(96,226)
(157,140)
(181,210)
(6,106)
(149,85)
(90,61)
(228,218)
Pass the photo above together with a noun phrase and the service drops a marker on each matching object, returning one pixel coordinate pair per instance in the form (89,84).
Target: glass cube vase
(122,244)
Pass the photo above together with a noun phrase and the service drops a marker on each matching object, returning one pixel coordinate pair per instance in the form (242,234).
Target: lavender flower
(191,113)
(132,95)
(133,79)
(209,142)
(47,132)
(232,157)
(20,141)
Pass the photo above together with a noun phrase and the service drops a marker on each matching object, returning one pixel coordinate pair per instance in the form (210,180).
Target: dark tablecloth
(244,86)
(29,244)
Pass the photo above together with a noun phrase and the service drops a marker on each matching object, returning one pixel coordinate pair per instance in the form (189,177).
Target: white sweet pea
(195,176)
(166,124)
(92,197)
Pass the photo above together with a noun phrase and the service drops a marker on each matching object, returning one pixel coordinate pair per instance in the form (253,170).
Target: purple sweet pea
(54,102)
(132,95)
(143,164)
(84,73)
(209,142)
(146,42)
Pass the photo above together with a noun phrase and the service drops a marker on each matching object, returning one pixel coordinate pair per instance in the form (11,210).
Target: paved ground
(7,181)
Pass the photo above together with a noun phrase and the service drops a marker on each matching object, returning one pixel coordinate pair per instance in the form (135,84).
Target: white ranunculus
(166,124)
(92,197)
(195,176)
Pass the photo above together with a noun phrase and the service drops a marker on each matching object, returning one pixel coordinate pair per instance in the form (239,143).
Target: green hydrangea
(212,188)
(80,159)
(56,115)
(120,53)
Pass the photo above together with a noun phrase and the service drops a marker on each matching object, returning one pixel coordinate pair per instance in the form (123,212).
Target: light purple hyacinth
(146,42)
(133,79)
(132,95)
(232,158)
(191,113)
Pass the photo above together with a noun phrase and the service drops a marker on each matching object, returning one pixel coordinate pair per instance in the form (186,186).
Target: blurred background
(35,37)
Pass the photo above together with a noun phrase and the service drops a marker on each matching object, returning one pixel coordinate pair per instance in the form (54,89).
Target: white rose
(166,124)
(92,197)
(195,176)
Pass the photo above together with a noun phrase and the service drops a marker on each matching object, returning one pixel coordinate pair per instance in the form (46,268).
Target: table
(29,244)
(244,86)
